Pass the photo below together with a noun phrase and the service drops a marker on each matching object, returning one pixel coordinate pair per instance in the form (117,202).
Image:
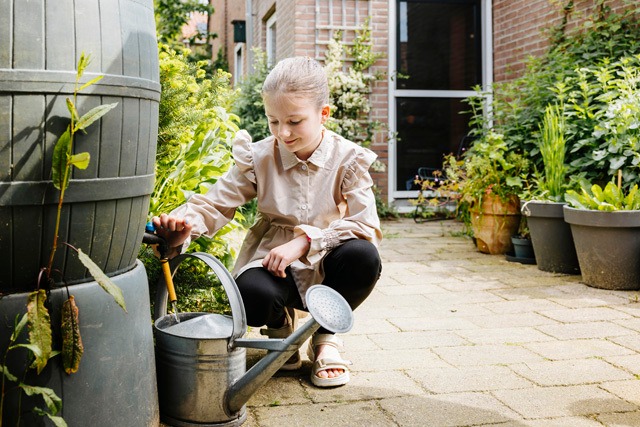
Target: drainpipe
(249,35)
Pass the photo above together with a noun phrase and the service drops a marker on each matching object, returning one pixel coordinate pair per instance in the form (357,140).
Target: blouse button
(303,207)
(303,167)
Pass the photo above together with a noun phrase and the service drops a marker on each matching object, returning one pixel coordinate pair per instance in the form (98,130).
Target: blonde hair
(299,75)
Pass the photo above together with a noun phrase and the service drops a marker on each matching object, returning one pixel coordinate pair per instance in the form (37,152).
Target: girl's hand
(279,258)
(174,230)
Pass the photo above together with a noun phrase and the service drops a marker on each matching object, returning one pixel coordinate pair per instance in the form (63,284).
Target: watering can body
(194,374)
(201,371)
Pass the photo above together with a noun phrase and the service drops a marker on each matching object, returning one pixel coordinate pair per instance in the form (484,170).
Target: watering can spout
(328,309)
(280,351)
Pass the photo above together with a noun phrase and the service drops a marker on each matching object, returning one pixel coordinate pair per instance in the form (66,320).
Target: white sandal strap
(327,339)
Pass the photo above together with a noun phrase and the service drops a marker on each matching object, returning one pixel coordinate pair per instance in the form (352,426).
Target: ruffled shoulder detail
(358,166)
(243,154)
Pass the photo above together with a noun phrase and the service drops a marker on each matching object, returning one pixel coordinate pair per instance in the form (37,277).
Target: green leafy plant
(584,58)
(552,183)
(349,90)
(611,198)
(52,402)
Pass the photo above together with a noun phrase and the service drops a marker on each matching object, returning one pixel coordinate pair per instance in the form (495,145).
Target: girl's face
(295,122)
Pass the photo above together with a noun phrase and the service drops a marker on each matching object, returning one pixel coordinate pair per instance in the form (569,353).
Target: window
(271,40)
(440,51)
(238,68)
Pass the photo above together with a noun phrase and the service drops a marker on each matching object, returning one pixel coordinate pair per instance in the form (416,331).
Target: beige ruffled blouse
(328,197)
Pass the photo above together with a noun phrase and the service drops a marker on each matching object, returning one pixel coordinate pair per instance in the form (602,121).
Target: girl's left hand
(280,257)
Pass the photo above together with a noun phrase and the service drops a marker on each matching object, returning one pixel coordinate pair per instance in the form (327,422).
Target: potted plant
(550,235)
(606,230)
(489,181)
(523,251)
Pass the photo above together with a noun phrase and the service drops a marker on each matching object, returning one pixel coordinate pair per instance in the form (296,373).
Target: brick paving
(453,337)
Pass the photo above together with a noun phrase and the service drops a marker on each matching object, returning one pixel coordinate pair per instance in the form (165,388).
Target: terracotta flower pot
(494,222)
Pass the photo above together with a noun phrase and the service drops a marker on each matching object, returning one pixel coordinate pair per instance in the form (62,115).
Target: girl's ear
(325,113)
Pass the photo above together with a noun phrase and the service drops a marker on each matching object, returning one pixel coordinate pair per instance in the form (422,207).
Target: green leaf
(19,326)
(83,62)
(72,109)
(57,421)
(93,115)
(7,374)
(80,160)
(37,351)
(72,348)
(102,279)
(60,156)
(51,399)
(39,327)
(90,82)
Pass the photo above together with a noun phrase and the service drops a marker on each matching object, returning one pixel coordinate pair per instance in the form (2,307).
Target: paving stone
(630,363)
(363,325)
(627,390)
(632,323)
(431,324)
(451,410)
(570,372)
(505,335)
(457,285)
(577,349)
(511,320)
(474,355)
(281,390)
(521,306)
(358,414)
(407,289)
(585,314)
(367,386)
(568,331)
(463,297)
(468,379)
(551,402)
(417,340)
(629,341)
(551,422)
(620,420)
(389,360)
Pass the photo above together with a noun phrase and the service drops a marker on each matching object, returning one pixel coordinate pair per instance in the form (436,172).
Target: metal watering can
(201,357)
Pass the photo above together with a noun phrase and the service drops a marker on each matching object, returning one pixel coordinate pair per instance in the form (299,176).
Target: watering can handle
(228,283)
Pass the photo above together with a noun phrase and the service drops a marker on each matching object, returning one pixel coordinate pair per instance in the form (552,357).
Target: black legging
(352,269)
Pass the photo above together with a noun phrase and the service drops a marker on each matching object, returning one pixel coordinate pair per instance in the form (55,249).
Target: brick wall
(517,30)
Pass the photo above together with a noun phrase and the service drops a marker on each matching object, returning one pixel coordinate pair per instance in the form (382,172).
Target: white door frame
(487,80)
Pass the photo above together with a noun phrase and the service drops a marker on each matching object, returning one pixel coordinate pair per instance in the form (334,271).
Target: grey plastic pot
(551,237)
(608,247)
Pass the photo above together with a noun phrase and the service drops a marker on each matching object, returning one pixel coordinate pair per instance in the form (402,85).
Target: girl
(316,220)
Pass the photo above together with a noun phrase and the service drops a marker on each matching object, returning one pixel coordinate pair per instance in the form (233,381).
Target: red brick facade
(517,30)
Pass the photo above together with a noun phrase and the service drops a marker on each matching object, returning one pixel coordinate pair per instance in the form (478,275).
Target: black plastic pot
(551,237)
(608,247)
(106,205)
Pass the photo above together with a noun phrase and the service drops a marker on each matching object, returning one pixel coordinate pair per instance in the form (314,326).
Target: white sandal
(327,362)
(291,323)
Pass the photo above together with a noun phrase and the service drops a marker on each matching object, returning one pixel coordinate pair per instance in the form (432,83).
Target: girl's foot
(329,369)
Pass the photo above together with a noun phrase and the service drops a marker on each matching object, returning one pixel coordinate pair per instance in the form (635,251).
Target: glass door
(439,56)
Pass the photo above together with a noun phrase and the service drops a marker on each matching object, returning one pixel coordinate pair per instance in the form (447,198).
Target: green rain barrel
(106,205)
